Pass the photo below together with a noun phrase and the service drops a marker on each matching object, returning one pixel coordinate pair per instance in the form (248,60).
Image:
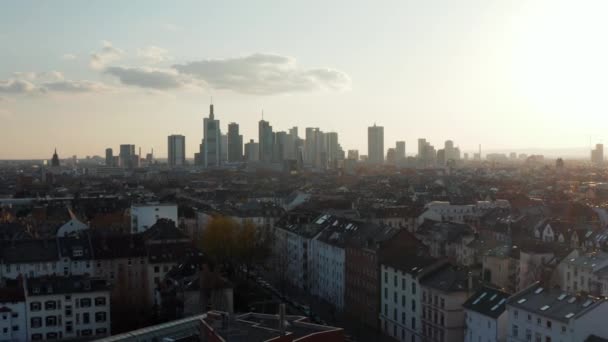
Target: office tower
(320,160)
(310,145)
(126,157)
(375,144)
(109,157)
(597,154)
(353,154)
(421,147)
(252,151)
(55,159)
(265,141)
(441,157)
(400,151)
(448,148)
(224,148)
(426,153)
(176,150)
(235,143)
(333,148)
(291,145)
(279,146)
(210,153)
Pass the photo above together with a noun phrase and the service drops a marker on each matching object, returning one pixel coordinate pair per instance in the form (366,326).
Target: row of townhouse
(54,308)
(132,263)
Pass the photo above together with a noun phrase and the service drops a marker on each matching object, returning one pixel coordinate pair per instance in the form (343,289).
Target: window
(515,314)
(395,297)
(385,309)
(69,327)
(413,288)
(424,296)
(101,316)
(395,315)
(548,324)
(68,310)
(442,303)
(85,302)
(395,281)
(50,305)
(36,337)
(403,284)
(403,318)
(413,305)
(385,274)
(35,306)
(538,337)
(413,323)
(86,332)
(547,338)
(515,330)
(100,301)
(529,318)
(51,336)
(36,322)
(85,318)
(539,321)
(563,329)
(528,335)
(68,297)
(403,300)
(101,331)
(51,321)
(436,300)
(386,293)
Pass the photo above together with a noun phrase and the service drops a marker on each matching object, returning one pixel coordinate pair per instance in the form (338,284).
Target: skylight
(570,315)
(480,298)
(538,290)
(587,303)
(493,297)
(572,300)
(544,308)
(521,301)
(562,296)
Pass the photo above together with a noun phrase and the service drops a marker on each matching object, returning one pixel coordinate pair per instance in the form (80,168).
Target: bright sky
(82,75)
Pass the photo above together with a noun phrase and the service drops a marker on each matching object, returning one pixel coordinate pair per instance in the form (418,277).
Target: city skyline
(479,72)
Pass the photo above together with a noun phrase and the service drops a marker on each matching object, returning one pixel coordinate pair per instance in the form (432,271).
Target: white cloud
(153,54)
(69,57)
(105,55)
(264,74)
(16,86)
(151,78)
(70,86)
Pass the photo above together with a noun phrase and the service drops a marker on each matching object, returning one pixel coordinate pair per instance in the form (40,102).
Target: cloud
(151,78)
(153,54)
(264,74)
(107,54)
(69,57)
(69,86)
(16,86)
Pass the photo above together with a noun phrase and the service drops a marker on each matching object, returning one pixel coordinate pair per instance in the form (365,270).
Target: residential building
(549,314)
(444,291)
(486,317)
(252,151)
(143,216)
(584,272)
(13,314)
(67,308)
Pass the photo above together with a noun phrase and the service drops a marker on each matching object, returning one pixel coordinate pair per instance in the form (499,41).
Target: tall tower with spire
(55,160)
(210,149)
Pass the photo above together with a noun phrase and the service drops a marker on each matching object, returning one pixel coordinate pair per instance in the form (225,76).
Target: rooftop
(488,302)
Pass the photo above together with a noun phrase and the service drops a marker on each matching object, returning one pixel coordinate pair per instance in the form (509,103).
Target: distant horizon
(503,74)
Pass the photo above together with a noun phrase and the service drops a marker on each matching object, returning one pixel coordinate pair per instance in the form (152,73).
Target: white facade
(13,322)
(328,272)
(485,329)
(584,272)
(71,226)
(400,306)
(145,216)
(296,253)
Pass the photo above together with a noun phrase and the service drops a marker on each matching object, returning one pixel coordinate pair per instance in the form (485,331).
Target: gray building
(375,144)
(235,143)
(176,150)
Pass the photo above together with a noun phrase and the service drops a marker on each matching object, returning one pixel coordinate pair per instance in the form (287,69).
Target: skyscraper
(375,144)
(211,150)
(176,150)
(265,141)
(235,143)
(597,154)
(252,151)
(126,158)
(400,150)
(109,157)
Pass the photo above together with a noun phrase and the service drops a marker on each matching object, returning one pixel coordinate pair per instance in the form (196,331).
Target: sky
(82,76)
